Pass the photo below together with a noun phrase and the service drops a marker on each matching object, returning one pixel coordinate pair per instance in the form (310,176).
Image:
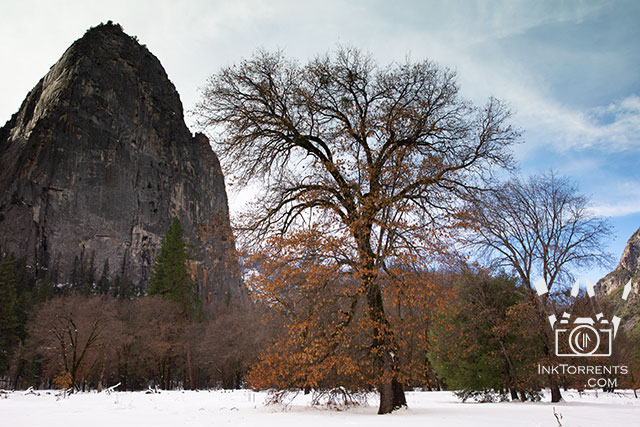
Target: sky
(569,70)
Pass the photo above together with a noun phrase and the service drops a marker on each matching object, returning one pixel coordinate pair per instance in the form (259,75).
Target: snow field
(246,408)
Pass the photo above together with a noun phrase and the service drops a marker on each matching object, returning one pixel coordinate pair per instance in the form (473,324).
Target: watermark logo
(583,336)
(601,375)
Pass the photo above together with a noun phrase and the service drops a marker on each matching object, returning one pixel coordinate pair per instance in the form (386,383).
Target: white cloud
(620,208)
(618,122)
(620,199)
(615,127)
(194,39)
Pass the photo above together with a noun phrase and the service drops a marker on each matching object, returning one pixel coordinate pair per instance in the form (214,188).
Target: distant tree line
(93,332)
(461,328)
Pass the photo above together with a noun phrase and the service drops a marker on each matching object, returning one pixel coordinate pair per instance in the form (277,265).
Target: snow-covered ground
(245,408)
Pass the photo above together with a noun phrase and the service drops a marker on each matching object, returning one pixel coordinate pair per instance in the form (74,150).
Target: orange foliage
(328,331)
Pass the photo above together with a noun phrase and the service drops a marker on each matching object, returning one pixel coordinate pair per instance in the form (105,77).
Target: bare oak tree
(381,154)
(69,334)
(540,227)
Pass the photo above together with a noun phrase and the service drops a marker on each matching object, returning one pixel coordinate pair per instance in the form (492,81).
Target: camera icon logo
(583,337)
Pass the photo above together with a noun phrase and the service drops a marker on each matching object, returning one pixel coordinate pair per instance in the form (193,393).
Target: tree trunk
(384,348)
(391,397)
(556,396)
(124,375)
(190,368)
(167,384)
(509,373)
(101,378)
(18,373)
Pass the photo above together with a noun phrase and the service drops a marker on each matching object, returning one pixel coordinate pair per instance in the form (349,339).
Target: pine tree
(25,287)
(126,288)
(45,289)
(103,282)
(123,288)
(9,326)
(170,277)
(54,272)
(75,272)
(90,275)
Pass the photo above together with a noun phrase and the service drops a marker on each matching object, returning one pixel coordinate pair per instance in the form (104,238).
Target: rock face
(628,268)
(98,160)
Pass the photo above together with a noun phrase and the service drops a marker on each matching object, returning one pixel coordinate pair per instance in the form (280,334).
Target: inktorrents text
(596,370)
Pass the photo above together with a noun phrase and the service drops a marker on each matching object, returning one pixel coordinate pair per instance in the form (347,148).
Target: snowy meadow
(246,408)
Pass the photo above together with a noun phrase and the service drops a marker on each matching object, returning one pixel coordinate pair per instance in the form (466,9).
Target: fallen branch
(111,389)
(30,391)
(152,390)
(558,416)
(64,393)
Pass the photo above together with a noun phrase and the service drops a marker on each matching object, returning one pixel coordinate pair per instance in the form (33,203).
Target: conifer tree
(103,282)
(123,288)
(8,311)
(482,340)
(45,289)
(90,275)
(170,277)
(74,278)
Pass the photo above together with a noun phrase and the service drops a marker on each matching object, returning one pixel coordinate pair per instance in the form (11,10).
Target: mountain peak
(98,160)
(628,268)
(100,74)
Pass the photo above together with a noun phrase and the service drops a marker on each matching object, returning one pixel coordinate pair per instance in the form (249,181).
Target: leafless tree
(69,334)
(377,152)
(539,227)
(228,345)
(152,346)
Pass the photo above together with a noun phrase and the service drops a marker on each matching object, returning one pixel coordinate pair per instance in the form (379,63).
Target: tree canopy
(539,227)
(483,341)
(378,157)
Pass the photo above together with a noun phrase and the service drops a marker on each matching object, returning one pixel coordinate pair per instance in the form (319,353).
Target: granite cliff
(628,268)
(611,287)
(98,160)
